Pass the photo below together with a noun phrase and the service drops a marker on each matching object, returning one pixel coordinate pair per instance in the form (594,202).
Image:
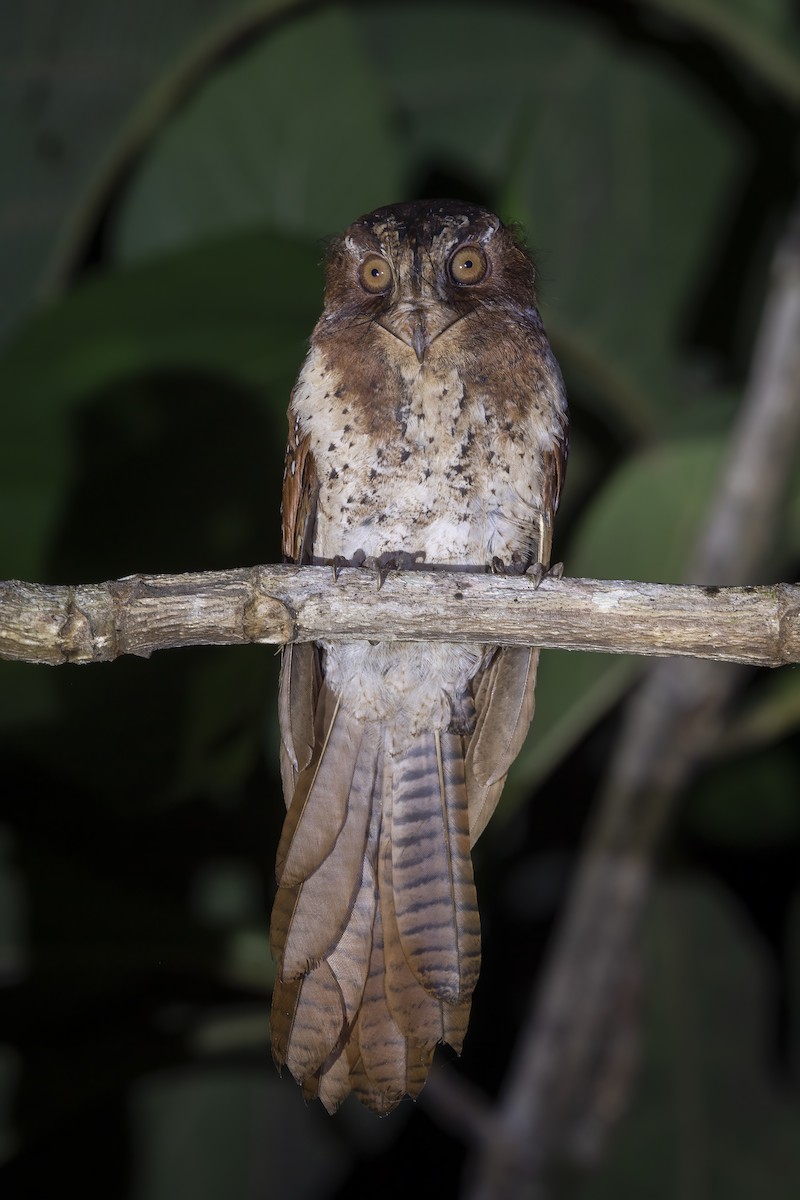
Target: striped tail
(375,924)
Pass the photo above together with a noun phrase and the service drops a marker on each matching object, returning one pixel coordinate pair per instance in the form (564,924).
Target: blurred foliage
(709,1119)
(169,173)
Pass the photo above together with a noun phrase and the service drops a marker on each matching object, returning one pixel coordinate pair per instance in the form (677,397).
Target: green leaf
(459,90)
(214,309)
(72,108)
(644,523)
(607,146)
(292,134)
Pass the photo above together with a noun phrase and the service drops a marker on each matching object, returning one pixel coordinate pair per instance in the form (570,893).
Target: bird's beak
(419,336)
(418,325)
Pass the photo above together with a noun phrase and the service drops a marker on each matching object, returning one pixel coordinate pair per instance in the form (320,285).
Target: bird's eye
(375,274)
(468,265)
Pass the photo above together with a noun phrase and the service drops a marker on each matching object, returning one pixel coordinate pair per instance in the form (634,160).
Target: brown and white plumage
(429,417)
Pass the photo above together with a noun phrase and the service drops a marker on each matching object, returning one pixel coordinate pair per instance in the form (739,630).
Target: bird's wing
(300,493)
(504,690)
(300,666)
(554,470)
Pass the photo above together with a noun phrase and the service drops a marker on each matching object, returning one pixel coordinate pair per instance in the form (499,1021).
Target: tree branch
(144,613)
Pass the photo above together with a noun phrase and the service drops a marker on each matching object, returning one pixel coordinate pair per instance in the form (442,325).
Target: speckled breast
(446,474)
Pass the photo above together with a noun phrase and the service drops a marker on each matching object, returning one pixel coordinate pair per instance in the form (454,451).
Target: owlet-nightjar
(428,425)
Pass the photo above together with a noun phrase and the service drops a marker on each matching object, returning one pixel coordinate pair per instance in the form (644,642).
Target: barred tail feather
(418,1014)
(434,892)
(375,926)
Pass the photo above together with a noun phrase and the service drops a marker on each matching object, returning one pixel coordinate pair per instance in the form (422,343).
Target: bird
(428,427)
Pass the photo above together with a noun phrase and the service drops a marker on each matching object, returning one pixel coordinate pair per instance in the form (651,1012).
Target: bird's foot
(339,562)
(394,560)
(517,566)
(537,571)
(381,564)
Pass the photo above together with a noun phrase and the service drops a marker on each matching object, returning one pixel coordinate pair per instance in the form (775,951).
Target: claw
(537,571)
(517,566)
(394,560)
(339,562)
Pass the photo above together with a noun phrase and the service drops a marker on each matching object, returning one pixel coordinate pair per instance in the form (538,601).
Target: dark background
(168,173)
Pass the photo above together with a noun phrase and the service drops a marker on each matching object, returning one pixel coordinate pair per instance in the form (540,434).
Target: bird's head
(415,270)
